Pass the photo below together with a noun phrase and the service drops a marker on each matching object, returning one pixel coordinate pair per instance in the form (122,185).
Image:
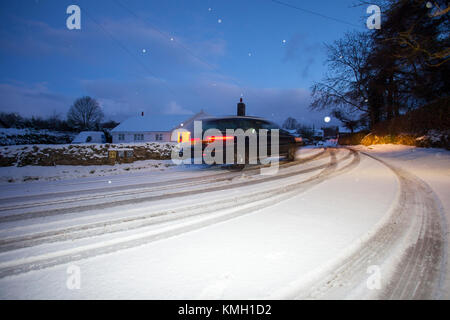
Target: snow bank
(432,139)
(38,173)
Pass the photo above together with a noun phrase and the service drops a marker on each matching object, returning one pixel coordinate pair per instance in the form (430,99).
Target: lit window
(183,136)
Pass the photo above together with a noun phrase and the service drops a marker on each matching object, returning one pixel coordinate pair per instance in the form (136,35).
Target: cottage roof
(154,123)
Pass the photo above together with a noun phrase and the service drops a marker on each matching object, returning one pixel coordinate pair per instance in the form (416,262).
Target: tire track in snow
(251,205)
(128,223)
(174,194)
(408,247)
(108,192)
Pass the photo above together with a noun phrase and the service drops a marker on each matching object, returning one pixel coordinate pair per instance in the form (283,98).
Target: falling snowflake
(219,21)
(249,54)
(284,41)
(171,39)
(144,51)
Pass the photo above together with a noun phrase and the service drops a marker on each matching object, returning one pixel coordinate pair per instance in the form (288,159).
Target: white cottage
(152,128)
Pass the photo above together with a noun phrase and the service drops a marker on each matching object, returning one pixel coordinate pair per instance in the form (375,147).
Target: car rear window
(221,125)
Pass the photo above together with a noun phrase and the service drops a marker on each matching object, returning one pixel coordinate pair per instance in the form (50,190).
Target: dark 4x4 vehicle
(254,128)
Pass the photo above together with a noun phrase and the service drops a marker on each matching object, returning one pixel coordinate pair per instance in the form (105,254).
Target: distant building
(89,137)
(152,128)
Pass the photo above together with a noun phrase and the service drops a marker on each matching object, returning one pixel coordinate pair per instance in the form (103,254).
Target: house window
(139,137)
(121,137)
(159,137)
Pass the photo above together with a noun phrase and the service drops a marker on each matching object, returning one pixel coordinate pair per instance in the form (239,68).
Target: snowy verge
(33,173)
(10,175)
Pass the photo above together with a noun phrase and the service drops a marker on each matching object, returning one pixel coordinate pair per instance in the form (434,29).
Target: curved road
(92,226)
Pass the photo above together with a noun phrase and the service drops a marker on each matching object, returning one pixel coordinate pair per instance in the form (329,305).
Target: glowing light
(211,139)
(327,119)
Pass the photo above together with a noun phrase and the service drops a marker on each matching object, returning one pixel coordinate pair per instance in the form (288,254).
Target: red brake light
(211,139)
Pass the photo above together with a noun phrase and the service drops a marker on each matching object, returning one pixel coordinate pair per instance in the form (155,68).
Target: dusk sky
(169,57)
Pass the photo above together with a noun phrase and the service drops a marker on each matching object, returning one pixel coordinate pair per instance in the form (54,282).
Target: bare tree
(85,114)
(348,120)
(345,85)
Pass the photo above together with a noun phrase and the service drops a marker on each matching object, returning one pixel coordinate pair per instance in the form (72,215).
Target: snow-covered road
(336,223)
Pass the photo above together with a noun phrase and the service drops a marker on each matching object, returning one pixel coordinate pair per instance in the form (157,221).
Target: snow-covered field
(335,223)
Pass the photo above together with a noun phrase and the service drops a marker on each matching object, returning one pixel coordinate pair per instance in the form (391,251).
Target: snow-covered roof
(294,132)
(96,136)
(154,123)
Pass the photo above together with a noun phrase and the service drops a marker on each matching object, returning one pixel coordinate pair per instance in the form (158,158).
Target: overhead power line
(316,13)
(179,43)
(128,51)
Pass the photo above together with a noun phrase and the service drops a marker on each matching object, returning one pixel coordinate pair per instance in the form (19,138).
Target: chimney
(142,113)
(241,109)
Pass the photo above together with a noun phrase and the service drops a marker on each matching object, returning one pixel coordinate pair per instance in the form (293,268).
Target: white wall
(148,137)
